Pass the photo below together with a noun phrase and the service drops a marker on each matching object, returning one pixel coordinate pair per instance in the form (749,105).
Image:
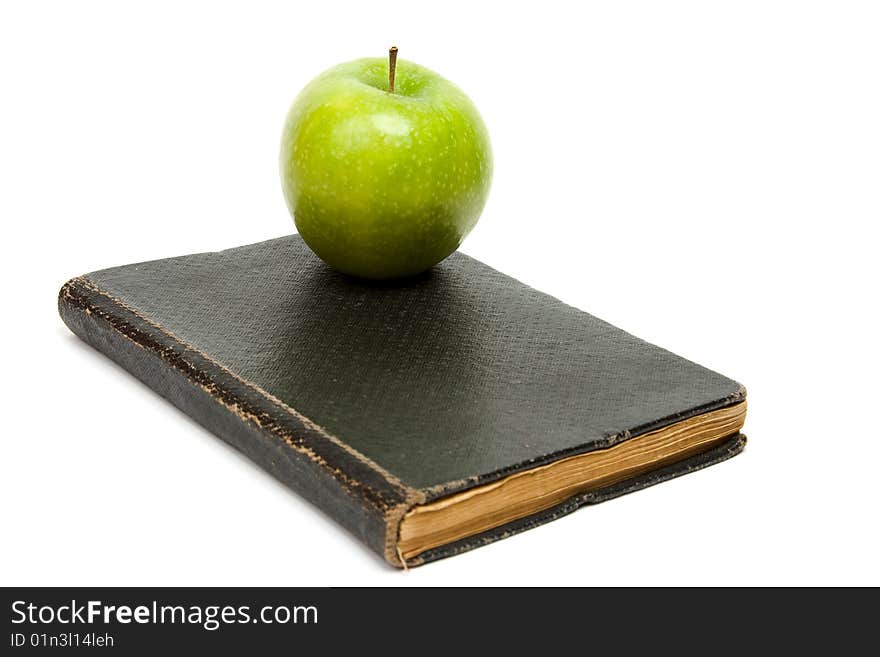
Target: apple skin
(384,185)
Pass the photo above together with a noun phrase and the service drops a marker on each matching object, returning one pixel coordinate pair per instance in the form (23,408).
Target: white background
(704,175)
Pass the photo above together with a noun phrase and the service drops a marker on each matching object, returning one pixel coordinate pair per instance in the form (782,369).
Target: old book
(428,416)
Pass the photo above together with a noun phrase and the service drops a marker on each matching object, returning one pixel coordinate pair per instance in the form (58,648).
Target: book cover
(428,416)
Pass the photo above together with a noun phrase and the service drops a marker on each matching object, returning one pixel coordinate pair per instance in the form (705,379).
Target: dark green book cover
(375,399)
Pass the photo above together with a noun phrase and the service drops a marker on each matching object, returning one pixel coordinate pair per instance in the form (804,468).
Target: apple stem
(392,65)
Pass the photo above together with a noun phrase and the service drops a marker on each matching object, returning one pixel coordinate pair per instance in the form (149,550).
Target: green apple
(385,169)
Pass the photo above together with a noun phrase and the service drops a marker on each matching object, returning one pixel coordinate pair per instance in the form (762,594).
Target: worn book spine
(362,496)
(359,494)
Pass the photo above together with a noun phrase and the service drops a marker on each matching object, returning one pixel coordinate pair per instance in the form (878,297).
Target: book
(427,416)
